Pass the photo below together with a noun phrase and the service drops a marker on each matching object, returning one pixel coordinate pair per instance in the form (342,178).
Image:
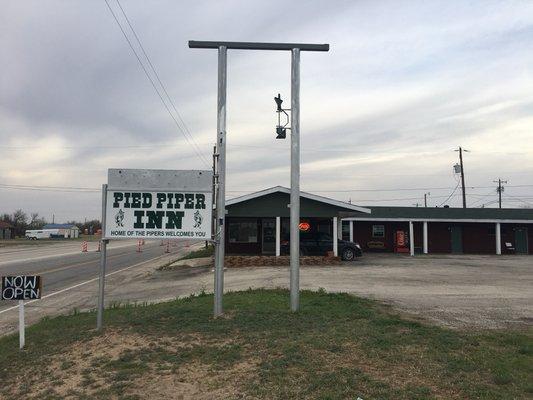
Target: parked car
(319,243)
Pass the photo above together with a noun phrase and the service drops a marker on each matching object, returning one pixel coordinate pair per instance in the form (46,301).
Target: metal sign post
(295,49)
(103,261)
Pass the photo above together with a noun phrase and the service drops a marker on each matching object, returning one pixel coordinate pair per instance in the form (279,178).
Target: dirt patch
(196,381)
(118,364)
(404,373)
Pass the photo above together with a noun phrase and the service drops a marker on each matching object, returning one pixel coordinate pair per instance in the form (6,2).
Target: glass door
(269,235)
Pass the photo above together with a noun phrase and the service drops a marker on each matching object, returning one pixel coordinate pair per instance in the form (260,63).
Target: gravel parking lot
(464,292)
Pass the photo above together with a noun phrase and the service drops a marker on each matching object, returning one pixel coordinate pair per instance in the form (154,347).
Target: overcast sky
(403,85)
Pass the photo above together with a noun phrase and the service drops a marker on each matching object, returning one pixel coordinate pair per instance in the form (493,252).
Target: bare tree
(20,222)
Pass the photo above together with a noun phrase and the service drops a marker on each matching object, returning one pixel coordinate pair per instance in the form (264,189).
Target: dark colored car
(319,243)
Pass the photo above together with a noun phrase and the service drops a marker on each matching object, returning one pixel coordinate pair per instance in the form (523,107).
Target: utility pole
(460,150)
(426,199)
(295,49)
(500,189)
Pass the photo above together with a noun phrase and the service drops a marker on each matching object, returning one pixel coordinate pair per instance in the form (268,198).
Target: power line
(518,199)
(159,79)
(191,140)
(400,189)
(50,188)
(451,195)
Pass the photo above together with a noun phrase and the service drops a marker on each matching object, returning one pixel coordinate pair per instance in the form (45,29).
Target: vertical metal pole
(351,231)
(221,193)
(295,181)
(103,260)
(214,228)
(22,328)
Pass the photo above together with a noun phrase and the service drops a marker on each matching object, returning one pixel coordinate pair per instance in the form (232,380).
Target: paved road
(66,266)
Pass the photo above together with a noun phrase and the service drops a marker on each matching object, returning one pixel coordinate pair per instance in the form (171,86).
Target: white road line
(82,283)
(55,255)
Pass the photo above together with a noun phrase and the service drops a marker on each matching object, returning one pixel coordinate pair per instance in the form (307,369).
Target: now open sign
(21,287)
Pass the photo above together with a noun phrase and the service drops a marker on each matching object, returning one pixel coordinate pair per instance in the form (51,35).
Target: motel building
(258,224)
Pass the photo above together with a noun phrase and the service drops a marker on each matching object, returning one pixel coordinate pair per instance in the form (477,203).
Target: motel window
(243,232)
(346,230)
(378,231)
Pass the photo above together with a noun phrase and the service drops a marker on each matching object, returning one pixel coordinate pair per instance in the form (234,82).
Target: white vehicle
(35,234)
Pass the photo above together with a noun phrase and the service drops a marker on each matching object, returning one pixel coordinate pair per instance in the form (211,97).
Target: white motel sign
(162,205)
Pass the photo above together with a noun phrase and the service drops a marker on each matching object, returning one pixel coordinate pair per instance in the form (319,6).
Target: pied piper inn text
(158,215)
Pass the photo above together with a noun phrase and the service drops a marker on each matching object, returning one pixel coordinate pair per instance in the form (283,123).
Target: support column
(335,237)
(278,236)
(425,237)
(221,190)
(411,238)
(498,239)
(295,181)
(351,231)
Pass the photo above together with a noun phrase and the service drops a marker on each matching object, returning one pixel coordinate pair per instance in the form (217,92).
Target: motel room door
(456,233)
(520,238)
(269,235)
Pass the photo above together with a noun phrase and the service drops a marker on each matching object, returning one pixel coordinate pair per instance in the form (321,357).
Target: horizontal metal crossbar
(198,44)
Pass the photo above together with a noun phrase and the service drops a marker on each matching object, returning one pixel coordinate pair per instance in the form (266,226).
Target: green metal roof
(273,202)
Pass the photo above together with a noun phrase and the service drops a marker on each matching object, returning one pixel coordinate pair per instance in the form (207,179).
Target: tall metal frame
(295,49)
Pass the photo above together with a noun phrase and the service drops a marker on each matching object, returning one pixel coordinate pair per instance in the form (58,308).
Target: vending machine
(401,242)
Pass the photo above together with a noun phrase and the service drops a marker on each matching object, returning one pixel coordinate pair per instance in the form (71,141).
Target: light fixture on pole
(281,130)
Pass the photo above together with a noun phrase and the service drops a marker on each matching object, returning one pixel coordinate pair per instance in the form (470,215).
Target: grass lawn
(337,347)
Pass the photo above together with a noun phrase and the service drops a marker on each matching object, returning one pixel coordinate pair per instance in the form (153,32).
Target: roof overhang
(306,195)
(490,221)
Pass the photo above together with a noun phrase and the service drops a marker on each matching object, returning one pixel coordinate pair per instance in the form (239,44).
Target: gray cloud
(403,85)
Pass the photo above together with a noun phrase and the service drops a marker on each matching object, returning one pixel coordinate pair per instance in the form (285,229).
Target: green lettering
(155,219)
(138,224)
(200,201)
(135,200)
(189,200)
(179,200)
(161,197)
(174,219)
(118,196)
